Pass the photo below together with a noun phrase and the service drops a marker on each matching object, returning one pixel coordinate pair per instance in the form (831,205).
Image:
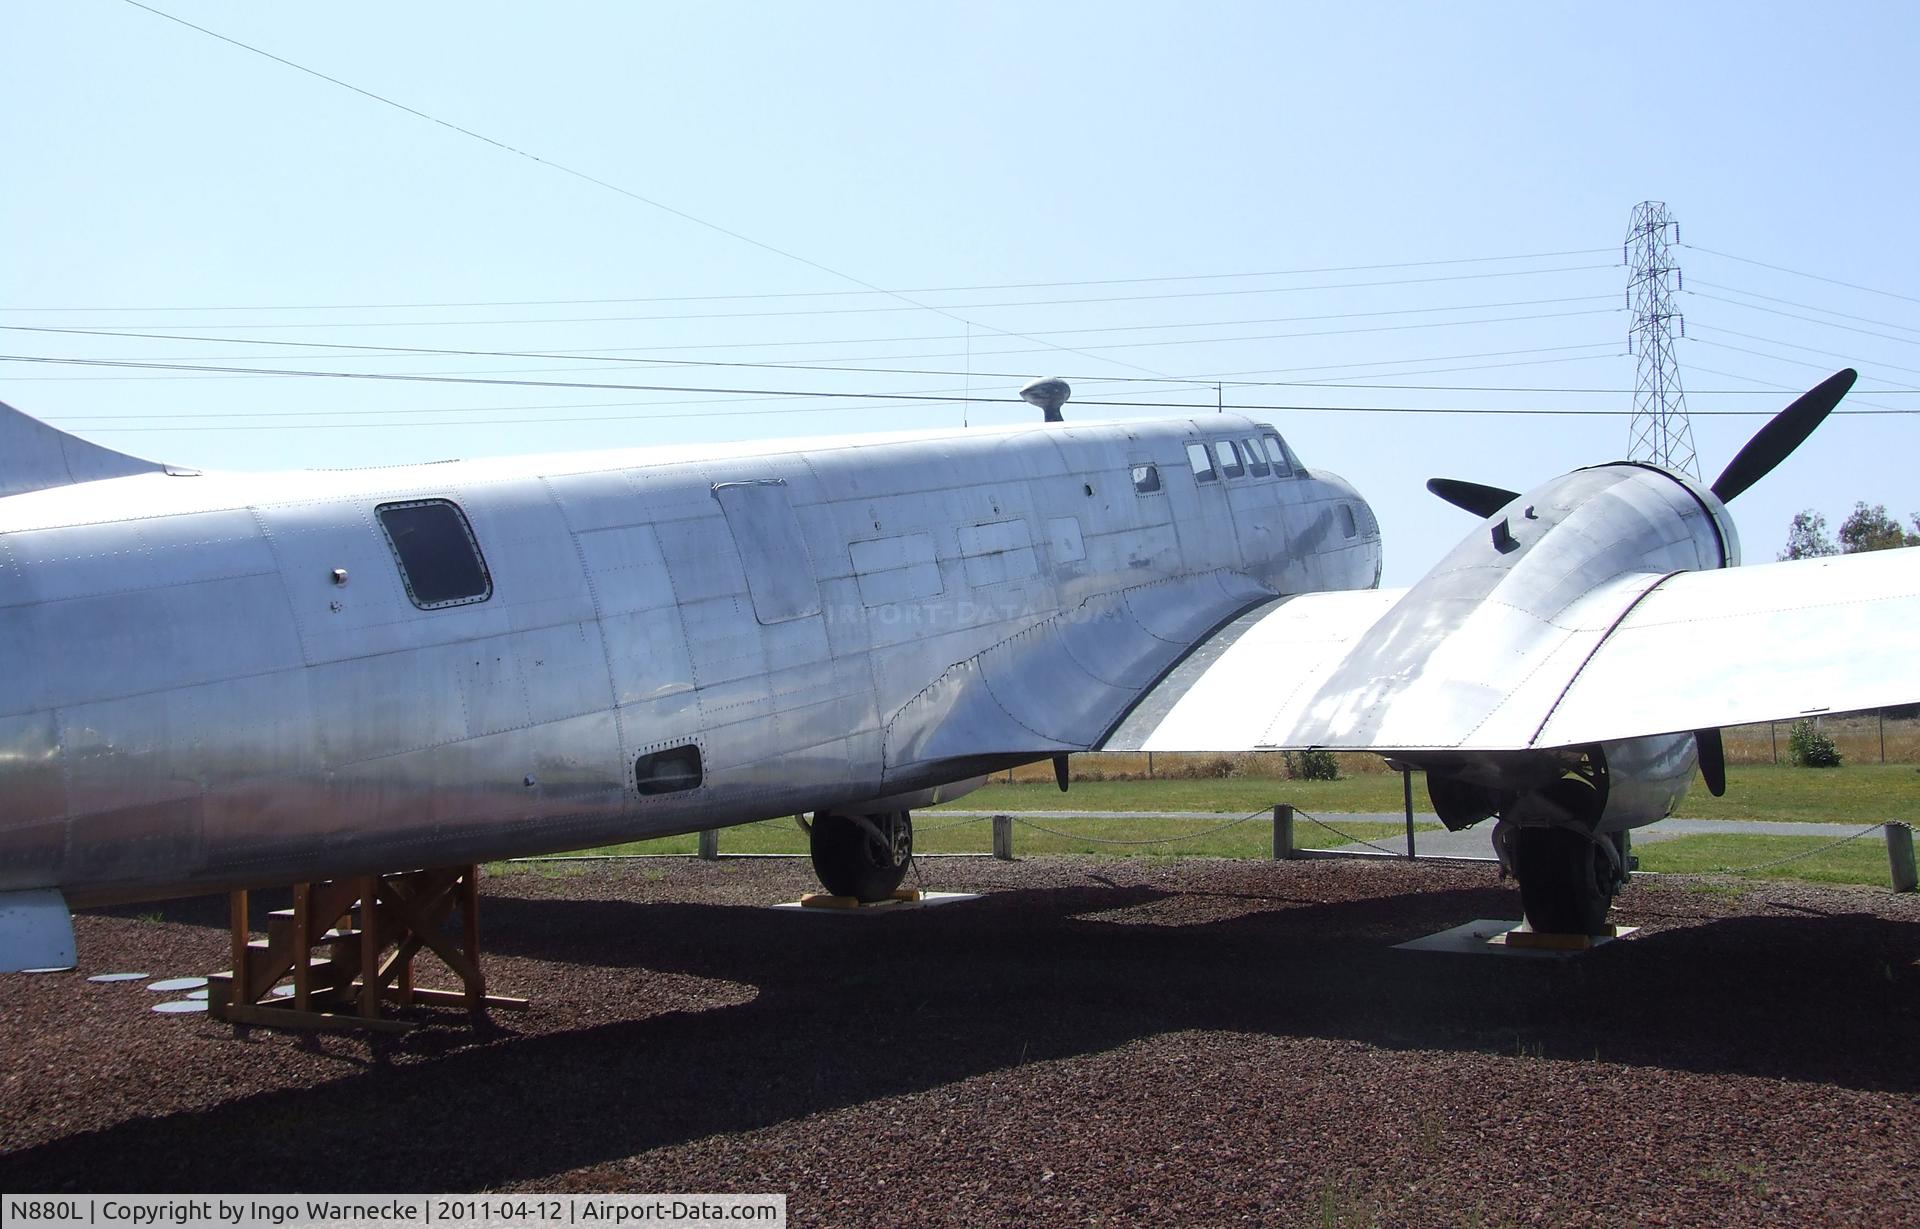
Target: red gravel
(1127,1042)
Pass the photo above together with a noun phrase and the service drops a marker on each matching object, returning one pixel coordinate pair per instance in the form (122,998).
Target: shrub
(1312,766)
(1809,747)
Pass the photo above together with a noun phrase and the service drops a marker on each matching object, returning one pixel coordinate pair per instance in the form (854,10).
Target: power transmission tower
(1659,431)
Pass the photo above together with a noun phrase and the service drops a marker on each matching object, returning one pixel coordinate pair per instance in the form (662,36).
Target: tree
(1866,528)
(1807,537)
(1872,529)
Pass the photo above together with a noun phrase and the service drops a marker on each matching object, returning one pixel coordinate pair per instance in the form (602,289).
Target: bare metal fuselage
(224,680)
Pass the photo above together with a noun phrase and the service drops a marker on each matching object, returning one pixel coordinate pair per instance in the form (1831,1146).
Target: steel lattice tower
(1659,431)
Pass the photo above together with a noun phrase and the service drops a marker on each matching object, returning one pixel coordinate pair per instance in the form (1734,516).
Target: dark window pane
(667,772)
(439,560)
(1146,479)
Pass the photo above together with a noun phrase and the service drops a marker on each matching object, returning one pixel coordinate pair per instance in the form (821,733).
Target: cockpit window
(1347,525)
(1146,479)
(1255,465)
(1229,454)
(1284,462)
(1202,462)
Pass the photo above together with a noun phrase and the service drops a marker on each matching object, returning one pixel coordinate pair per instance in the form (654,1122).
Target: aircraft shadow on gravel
(846,1012)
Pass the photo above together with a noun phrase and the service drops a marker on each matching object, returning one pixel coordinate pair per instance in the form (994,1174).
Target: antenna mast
(1659,430)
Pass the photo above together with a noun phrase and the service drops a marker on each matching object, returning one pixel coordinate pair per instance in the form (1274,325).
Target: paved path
(1475,842)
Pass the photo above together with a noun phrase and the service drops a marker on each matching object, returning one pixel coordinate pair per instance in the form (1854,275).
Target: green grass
(937,833)
(1231,795)
(1863,861)
(1856,794)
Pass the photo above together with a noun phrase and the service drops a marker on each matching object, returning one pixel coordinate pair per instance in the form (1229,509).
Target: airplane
(216,681)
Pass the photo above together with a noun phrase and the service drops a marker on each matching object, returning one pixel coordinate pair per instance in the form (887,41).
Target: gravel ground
(1112,1042)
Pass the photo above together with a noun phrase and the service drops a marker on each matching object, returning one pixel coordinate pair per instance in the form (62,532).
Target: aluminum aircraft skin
(224,680)
(216,681)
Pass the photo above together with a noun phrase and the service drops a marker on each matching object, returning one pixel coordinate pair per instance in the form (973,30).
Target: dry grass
(1860,738)
(1183,766)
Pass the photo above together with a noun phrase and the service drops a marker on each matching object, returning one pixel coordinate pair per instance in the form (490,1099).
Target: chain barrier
(1397,853)
(1792,857)
(920,829)
(1235,823)
(1159,840)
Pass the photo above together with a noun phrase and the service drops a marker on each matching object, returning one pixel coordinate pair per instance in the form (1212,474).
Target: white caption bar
(392,1211)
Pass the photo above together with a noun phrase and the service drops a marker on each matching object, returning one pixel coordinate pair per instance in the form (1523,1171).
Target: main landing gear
(862,856)
(1568,878)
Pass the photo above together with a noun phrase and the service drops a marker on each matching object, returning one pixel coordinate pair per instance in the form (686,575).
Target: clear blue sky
(153,169)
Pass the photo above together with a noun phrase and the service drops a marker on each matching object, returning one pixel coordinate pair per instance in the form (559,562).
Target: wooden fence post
(710,845)
(1900,857)
(1282,831)
(1003,837)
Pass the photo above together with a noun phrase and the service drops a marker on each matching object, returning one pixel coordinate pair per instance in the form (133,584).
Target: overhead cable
(601,183)
(822,294)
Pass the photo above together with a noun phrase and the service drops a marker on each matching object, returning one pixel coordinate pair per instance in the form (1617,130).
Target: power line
(867,311)
(1187,341)
(1828,324)
(354,349)
(1774,341)
(944,399)
(602,183)
(818,294)
(1754,294)
(1831,281)
(373,351)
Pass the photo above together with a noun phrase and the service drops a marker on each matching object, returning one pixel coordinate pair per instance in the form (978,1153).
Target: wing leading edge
(1642,654)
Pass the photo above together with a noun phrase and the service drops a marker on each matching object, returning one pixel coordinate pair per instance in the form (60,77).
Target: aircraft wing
(1640,654)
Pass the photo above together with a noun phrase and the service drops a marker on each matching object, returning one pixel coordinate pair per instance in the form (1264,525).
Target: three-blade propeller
(1769,446)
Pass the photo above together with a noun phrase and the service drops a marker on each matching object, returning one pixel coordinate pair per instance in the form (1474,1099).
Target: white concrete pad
(927,900)
(1488,937)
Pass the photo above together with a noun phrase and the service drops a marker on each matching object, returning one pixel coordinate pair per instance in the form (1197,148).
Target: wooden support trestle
(348,946)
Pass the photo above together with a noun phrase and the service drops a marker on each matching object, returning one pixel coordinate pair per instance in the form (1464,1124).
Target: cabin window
(669,771)
(1229,454)
(1255,466)
(1146,479)
(439,560)
(1347,525)
(1202,462)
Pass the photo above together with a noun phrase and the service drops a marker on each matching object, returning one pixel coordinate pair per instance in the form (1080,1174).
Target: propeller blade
(1482,501)
(1713,761)
(1783,433)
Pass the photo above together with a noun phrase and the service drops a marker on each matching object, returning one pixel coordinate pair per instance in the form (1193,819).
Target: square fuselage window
(439,559)
(669,771)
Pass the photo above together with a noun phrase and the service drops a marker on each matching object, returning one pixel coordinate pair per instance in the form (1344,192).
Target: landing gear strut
(862,856)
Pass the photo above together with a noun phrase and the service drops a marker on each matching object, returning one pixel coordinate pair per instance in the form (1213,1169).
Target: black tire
(849,862)
(1566,880)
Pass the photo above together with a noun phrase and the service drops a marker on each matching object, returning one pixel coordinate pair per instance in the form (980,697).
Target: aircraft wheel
(850,861)
(1566,880)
